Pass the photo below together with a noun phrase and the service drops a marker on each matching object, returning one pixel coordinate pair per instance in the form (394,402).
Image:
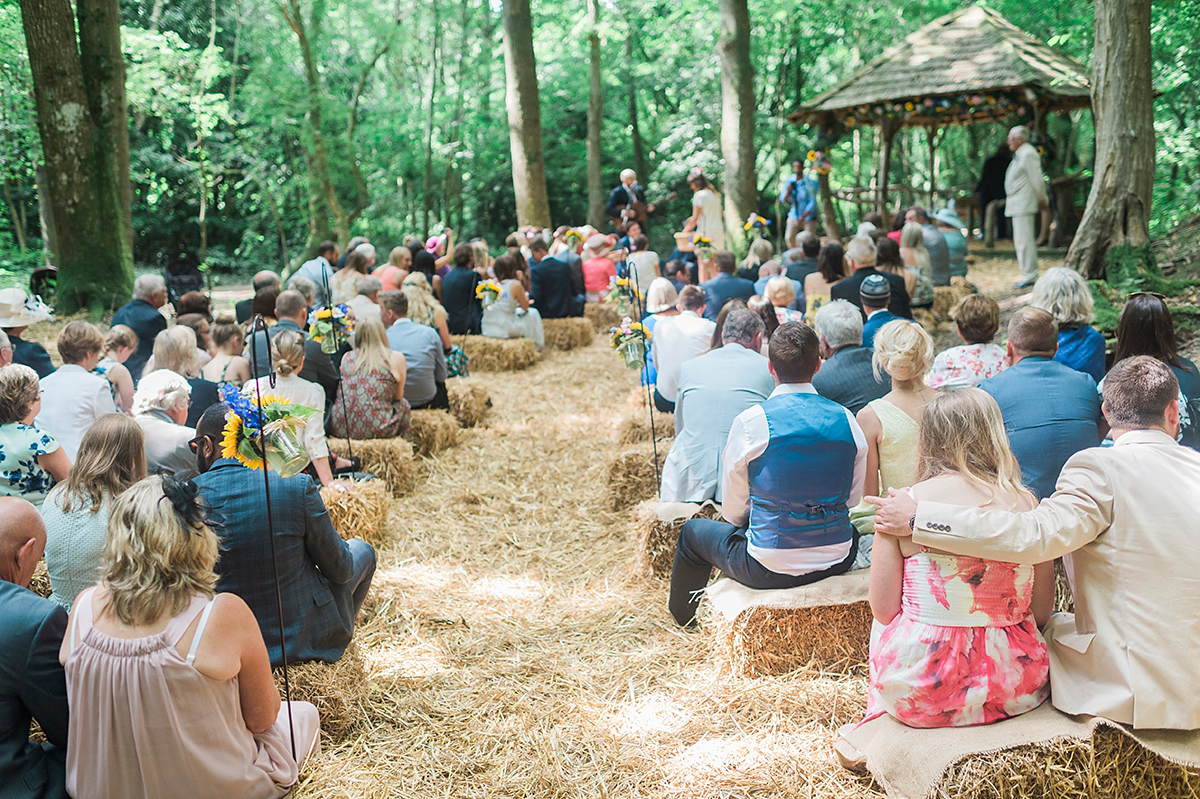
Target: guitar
(636,211)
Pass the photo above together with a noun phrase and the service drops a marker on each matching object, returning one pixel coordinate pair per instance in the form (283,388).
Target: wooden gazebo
(970,65)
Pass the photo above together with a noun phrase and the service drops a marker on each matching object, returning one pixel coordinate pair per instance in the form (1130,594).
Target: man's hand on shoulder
(896,513)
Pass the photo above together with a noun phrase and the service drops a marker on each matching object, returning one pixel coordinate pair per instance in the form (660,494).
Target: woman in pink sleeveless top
(169,684)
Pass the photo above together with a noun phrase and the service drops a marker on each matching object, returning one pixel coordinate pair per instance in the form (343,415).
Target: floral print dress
(20,473)
(966,365)
(964,649)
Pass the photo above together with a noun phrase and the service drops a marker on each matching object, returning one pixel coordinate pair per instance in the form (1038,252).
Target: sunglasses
(194,444)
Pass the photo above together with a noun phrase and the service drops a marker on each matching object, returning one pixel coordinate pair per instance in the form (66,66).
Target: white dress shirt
(748,438)
(677,339)
(72,400)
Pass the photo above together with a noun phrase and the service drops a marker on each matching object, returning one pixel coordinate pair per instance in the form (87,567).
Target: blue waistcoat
(800,484)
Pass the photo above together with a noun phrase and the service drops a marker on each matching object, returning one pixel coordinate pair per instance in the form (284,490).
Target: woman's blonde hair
(154,559)
(902,349)
(371,344)
(288,355)
(1065,295)
(112,457)
(912,236)
(397,255)
(422,307)
(175,349)
(78,340)
(760,252)
(962,432)
(120,336)
(19,389)
(780,288)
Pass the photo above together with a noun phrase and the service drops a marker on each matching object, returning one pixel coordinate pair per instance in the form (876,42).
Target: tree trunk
(595,120)
(1118,208)
(14,213)
(887,136)
(828,217)
(639,152)
(79,93)
(427,185)
(737,119)
(524,115)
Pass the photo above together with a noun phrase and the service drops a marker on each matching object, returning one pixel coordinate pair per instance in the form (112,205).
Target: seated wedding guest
(464,313)
(510,315)
(366,302)
(17,312)
(6,352)
(831,268)
(175,350)
(677,273)
(977,318)
(111,458)
(917,258)
(729,307)
(1146,328)
(391,275)
(1065,294)
(762,308)
(119,344)
(552,284)
(1063,419)
(292,312)
(799,268)
(32,682)
(424,309)
(791,470)
(888,260)
(677,339)
(875,293)
(344,283)
(933,602)
(287,352)
(370,401)
(642,264)
(599,268)
(846,375)
(660,304)
(424,358)
(713,389)
(160,408)
(780,291)
(1119,656)
(169,680)
(760,253)
(203,330)
(243,309)
(860,256)
(194,302)
(31,461)
(72,397)
(264,304)
(327,577)
(319,271)
(142,316)
(307,289)
(724,286)
(227,367)
(951,228)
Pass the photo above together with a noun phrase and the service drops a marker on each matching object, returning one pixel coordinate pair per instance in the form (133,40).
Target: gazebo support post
(828,217)
(931,135)
(887,133)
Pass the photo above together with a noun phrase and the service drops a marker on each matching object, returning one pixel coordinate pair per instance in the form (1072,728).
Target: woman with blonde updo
(287,353)
(169,682)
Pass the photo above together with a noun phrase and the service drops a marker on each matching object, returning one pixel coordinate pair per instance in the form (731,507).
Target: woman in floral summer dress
(31,461)
(961,644)
(977,318)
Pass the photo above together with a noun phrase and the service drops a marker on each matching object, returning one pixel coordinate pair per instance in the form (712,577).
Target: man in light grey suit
(713,389)
(1026,189)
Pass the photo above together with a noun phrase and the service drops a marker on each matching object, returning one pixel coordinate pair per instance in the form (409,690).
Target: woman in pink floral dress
(978,318)
(370,398)
(961,644)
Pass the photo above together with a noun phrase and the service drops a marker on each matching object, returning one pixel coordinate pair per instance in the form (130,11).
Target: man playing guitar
(627,203)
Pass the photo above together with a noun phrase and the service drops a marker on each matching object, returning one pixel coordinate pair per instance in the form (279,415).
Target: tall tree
(737,118)
(1118,208)
(524,115)
(595,118)
(79,93)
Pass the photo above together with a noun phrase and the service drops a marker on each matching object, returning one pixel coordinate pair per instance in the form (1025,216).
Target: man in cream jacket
(1026,189)
(1126,516)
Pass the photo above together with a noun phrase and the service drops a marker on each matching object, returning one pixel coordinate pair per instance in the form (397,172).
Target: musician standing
(627,202)
(800,193)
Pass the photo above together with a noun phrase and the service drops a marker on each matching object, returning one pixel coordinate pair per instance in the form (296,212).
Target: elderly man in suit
(324,579)
(32,681)
(846,376)
(713,389)
(725,286)
(860,254)
(141,315)
(160,408)
(1026,189)
(1125,515)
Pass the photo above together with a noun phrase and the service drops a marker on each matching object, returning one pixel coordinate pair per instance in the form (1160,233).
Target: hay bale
(656,532)
(926,320)
(602,315)
(40,583)
(632,476)
(634,428)
(568,333)
(945,298)
(361,513)
(498,354)
(469,400)
(759,633)
(339,690)
(390,459)
(433,431)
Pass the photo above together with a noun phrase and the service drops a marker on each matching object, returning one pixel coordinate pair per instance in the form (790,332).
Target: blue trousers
(708,543)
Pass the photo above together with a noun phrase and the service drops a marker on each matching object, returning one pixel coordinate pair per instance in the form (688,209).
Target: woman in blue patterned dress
(31,461)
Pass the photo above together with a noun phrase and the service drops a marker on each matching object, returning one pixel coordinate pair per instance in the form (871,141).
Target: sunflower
(229,442)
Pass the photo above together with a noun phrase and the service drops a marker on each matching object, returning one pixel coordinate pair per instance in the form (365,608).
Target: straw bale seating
(360,513)
(634,427)
(603,315)
(945,298)
(390,459)
(433,431)
(826,624)
(568,333)
(469,400)
(655,532)
(632,476)
(498,354)
(339,690)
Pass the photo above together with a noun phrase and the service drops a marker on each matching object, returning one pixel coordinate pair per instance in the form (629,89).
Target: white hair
(628,173)
(367,249)
(1019,132)
(146,286)
(861,250)
(369,285)
(840,322)
(1065,295)
(304,285)
(161,390)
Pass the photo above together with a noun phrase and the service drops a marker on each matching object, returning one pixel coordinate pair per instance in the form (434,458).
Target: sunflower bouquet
(756,222)
(703,246)
(574,237)
(329,326)
(488,291)
(623,293)
(277,429)
(630,339)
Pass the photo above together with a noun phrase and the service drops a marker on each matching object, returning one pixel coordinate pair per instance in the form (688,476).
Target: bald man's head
(22,540)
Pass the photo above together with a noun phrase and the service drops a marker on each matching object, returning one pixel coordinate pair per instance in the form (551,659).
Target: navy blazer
(721,289)
(847,289)
(1050,412)
(464,312)
(32,684)
(31,354)
(848,379)
(145,320)
(552,287)
(311,557)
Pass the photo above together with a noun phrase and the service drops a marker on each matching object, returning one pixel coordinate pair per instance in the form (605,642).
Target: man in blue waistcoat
(791,470)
